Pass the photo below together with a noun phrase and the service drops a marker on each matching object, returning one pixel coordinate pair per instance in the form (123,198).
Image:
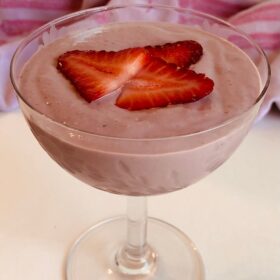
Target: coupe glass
(134,246)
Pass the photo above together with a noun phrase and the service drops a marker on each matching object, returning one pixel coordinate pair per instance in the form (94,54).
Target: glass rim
(95,10)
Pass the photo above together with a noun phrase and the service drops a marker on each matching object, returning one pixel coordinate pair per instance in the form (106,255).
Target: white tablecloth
(233,215)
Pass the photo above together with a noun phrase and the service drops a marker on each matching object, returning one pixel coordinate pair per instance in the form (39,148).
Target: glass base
(93,256)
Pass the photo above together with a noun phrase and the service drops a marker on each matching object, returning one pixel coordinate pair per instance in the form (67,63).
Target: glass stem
(136,226)
(136,257)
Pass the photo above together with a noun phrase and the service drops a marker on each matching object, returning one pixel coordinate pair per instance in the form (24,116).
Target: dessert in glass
(138,100)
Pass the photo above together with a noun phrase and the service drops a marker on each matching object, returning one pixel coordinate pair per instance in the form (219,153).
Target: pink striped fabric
(41,4)
(17,18)
(258,18)
(19,26)
(262,23)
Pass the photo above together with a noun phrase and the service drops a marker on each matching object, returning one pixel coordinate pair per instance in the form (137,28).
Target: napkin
(259,18)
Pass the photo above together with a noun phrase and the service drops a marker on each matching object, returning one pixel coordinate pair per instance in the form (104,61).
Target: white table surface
(233,215)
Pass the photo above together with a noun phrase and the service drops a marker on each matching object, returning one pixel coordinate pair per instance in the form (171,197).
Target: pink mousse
(131,165)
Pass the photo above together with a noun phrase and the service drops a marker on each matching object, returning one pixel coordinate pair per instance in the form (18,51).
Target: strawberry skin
(160,84)
(182,53)
(95,74)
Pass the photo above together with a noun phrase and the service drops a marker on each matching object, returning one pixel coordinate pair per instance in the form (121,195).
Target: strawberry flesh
(182,53)
(97,73)
(149,77)
(160,84)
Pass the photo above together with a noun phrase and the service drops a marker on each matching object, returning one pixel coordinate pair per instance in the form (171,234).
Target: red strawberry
(97,73)
(159,84)
(183,53)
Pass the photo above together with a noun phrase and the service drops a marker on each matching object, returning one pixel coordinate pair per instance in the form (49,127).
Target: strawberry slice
(160,84)
(182,53)
(97,73)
